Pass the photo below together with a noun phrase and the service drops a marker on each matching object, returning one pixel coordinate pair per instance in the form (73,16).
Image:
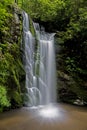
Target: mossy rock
(16,100)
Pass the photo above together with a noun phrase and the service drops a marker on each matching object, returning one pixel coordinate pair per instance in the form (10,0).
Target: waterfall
(39,65)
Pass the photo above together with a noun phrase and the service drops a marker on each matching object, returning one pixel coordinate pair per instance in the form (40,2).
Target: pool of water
(52,117)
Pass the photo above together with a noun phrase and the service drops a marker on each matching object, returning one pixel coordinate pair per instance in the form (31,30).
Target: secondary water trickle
(39,62)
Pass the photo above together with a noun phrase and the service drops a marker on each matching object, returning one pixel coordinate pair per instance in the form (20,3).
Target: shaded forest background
(68,19)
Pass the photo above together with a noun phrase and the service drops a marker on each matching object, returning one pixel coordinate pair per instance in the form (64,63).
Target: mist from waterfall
(39,62)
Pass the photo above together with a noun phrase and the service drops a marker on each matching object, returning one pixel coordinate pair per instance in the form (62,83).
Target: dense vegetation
(69,20)
(11,70)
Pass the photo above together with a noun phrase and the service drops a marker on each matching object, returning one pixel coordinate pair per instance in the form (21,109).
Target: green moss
(32,28)
(4,101)
(16,99)
(12,73)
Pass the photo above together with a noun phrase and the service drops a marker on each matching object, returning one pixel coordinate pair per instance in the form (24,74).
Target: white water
(39,66)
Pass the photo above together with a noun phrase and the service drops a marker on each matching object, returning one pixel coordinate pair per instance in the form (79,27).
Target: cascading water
(39,65)
(28,40)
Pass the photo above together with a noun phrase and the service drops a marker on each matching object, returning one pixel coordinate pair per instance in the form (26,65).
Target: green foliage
(44,10)
(11,68)
(70,64)
(3,11)
(73,35)
(16,99)
(73,39)
(5,15)
(4,102)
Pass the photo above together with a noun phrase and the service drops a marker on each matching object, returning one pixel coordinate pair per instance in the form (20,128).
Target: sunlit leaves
(43,9)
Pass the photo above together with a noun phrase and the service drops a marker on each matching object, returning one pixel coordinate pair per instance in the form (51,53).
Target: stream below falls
(68,117)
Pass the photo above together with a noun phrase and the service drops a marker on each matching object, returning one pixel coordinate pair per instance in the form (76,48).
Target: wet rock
(65,85)
(78,102)
(16,19)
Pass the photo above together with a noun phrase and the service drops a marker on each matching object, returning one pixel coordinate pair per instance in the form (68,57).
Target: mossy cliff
(12,75)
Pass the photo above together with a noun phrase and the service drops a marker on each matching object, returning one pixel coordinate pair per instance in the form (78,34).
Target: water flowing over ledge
(39,62)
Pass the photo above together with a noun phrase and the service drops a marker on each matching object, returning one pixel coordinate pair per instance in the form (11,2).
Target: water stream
(39,65)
